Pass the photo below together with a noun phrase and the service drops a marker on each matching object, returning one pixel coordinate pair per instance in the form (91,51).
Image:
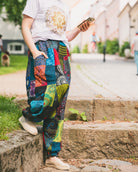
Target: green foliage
(83,116)
(74,111)
(85,49)
(9,115)
(104,118)
(80,116)
(13,10)
(123,47)
(100,47)
(76,49)
(112,46)
(17,62)
(66,119)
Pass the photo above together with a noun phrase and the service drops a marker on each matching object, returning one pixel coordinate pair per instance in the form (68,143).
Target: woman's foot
(28,125)
(57,163)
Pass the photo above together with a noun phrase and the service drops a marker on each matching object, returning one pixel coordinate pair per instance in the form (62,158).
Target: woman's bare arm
(73,33)
(26,26)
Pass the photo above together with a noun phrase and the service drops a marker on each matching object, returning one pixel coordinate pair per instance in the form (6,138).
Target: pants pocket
(39,71)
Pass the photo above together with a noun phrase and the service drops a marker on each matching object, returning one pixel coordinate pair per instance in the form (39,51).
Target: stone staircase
(115,137)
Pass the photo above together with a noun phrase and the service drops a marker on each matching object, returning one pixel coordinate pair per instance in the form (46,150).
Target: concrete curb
(23,152)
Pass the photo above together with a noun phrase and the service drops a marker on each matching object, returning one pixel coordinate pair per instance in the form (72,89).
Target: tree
(13,9)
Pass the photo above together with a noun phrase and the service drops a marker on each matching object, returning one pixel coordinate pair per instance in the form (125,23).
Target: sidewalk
(116,78)
(91,78)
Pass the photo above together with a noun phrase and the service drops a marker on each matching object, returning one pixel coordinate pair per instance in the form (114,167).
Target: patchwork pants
(47,83)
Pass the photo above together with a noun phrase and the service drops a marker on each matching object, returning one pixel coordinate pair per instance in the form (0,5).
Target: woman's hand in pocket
(38,53)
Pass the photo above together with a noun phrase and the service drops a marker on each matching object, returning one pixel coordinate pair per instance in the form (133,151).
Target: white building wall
(124,26)
(133,22)
(112,20)
(100,26)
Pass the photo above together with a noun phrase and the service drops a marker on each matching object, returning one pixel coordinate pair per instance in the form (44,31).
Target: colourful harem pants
(47,83)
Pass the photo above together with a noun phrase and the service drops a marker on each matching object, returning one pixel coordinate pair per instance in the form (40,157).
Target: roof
(127,5)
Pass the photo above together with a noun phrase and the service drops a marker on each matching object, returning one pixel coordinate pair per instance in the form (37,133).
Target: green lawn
(17,62)
(9,115)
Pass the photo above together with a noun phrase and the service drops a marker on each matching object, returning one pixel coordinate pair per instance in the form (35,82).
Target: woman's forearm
(72,34)
(26,25)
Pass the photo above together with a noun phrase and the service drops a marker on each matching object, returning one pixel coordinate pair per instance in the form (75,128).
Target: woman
(45,28)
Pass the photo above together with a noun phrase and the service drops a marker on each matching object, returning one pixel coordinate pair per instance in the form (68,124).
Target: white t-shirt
(51,19)
(1,43)
(136,43)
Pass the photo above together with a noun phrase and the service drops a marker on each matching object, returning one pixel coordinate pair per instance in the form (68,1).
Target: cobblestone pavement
(116,78)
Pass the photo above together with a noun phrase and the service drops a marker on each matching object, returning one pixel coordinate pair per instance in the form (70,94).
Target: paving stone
(133,168)
(116,163)
(95,169)
(72,169)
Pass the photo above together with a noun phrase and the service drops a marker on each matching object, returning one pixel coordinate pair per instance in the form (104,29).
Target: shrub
(112,47)
(123,47)
(85,49)
(76,49)
(100,47)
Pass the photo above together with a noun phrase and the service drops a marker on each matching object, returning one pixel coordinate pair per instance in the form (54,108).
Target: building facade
(124,25)
(133,21)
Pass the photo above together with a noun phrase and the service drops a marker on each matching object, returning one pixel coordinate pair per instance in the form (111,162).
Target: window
(16,48)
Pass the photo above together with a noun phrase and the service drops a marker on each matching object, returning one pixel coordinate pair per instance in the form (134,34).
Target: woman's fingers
(85,26)
(38,53)
(42,53)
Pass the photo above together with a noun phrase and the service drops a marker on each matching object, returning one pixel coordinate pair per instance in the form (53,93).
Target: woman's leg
(53,125)
(52,130)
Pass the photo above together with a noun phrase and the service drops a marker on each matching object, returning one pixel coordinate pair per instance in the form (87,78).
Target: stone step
(23,152)
(99,109)
(97,141)
(104,165)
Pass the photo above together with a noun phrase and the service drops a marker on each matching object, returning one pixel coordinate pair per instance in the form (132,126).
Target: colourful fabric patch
(59,131)
(36,107)
(40,60)
(62,50)
(57,62)
(61,90)
(51,59)
(39,72)
(50,75)
(49,95)
(32,89)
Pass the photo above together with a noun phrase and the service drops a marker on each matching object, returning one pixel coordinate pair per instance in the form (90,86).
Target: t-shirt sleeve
(31,8)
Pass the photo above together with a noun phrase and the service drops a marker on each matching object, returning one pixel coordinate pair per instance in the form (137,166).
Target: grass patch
(9,115)
(17,62)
